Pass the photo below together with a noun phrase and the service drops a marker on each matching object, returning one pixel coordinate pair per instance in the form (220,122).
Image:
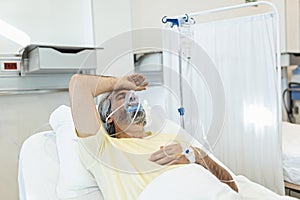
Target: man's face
(122,118)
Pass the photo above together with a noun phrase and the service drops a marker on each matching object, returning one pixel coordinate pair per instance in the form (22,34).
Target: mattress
(291,152)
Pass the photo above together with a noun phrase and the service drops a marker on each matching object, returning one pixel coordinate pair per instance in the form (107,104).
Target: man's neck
(134,131)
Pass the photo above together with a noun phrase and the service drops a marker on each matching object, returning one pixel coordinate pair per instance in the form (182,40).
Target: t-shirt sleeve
(90,148)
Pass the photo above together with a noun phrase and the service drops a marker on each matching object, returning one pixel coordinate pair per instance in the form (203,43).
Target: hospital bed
(49,168)
(291,155)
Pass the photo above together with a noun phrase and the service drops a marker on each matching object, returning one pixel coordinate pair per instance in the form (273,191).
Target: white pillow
(74,180)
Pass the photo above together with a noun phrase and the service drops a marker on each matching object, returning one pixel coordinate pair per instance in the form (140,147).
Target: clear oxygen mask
(132,102)
(132,112)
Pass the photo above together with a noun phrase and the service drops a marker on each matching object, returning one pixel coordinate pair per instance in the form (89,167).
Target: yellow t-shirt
(121,167)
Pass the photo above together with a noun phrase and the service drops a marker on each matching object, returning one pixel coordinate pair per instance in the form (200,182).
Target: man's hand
(169,155)
(131,82)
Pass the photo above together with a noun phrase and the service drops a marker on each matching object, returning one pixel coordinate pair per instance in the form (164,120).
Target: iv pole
(176,20)
(180,22)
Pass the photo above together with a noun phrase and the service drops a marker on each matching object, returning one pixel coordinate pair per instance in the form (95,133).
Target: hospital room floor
(20,116)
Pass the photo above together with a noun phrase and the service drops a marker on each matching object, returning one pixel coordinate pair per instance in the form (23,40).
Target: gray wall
(20,116)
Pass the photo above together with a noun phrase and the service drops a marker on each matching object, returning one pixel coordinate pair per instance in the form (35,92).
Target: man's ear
(110,120)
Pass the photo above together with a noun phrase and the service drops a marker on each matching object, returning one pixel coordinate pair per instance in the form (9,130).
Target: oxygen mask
(133,110)
(132,102)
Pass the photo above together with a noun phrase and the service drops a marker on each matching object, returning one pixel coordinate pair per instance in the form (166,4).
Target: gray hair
(104,110)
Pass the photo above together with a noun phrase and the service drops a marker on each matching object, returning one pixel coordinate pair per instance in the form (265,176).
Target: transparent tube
(132,107)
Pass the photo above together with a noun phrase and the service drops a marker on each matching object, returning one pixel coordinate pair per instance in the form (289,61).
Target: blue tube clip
(181,111)
(175,21)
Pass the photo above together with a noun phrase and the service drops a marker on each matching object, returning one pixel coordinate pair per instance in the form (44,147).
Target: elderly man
(114,146)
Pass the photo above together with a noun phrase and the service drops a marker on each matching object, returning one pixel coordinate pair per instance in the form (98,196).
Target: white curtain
(243,52)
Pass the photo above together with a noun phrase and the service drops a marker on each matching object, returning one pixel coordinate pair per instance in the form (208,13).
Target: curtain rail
(222,9)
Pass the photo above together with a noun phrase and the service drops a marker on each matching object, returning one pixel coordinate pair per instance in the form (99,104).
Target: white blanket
(193,182)
(249,190)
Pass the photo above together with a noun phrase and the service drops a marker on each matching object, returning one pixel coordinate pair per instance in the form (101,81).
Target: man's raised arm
(83,89)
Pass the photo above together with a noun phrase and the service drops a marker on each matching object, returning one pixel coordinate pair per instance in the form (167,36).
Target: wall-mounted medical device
(40,59)
(10,65)
(41,67)
(50,49)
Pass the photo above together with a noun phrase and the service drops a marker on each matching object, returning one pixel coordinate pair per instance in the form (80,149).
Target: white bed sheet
(291,152)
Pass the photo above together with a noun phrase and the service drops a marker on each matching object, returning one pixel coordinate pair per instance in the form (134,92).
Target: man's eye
(121,96)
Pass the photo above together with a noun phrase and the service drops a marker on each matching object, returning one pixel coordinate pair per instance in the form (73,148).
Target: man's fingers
(138,79)
(180,160)
(161,158)
(165,160)
(156,156)
(169,155)
(142,86)
(166,151)
(131,82)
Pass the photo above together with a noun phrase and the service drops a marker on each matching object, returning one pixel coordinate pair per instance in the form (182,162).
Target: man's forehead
(117,92)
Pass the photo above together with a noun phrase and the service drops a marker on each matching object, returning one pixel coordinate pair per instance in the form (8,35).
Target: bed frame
(291,187)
